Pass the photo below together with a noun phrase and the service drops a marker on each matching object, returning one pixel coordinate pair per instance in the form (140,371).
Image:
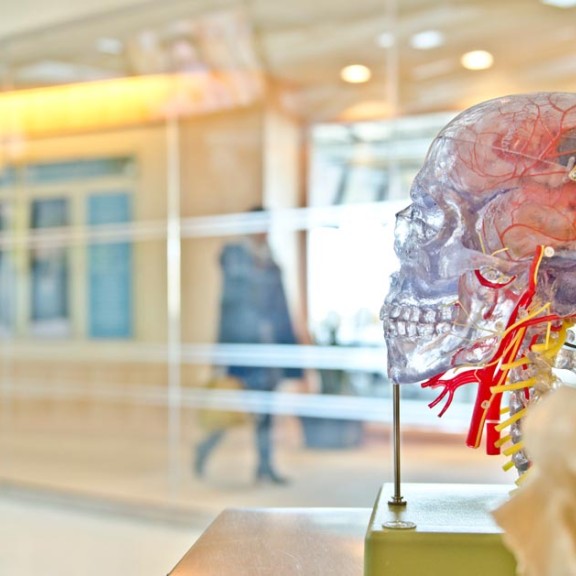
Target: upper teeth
(407,320)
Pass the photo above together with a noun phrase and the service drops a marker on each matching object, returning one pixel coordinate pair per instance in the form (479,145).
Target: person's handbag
(216,419)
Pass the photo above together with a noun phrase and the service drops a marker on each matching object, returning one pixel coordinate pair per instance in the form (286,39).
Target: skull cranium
(498,182)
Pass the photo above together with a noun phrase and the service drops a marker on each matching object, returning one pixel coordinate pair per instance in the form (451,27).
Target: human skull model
(493,212)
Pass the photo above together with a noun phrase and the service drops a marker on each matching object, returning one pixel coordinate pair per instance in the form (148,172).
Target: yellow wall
(222,162)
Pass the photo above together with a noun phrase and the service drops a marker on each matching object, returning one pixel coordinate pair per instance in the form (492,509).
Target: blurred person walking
(253,310)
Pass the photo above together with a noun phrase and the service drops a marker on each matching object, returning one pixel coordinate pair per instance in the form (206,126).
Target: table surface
(280,542)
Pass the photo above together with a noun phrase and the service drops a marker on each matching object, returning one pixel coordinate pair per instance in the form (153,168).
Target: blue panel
(81,169)
(110,271)
(109,208)
(49,213)
(7,177)
(49,268)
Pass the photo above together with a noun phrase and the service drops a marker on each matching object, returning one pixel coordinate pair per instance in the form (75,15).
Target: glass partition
(165,341)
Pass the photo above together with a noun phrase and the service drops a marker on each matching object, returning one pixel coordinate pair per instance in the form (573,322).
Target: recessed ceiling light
(356,73)
(427,39)
(477,60)
(560,3)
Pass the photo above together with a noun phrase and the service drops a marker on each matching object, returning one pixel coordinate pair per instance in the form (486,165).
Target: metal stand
(397,504)
(397,499)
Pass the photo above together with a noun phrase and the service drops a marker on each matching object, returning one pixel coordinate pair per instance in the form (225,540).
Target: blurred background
(134,137)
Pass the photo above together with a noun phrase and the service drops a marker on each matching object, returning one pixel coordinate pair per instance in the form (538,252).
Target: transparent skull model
(486,289)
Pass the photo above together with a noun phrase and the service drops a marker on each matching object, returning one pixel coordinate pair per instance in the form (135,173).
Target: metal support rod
(397,498)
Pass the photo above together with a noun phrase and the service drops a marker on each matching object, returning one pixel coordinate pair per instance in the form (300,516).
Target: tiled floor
(100,490)
(57,540)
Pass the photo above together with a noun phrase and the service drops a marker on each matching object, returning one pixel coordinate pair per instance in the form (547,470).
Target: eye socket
(429,202)
(493,278)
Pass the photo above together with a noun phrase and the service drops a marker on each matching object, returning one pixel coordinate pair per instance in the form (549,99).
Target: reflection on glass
(253,92)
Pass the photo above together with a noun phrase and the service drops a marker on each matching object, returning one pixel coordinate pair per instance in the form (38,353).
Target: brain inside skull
(487,252)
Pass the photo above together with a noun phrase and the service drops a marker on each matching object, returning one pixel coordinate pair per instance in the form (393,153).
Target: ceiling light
(427,39)
(477,60)
(355,73)
(560,3)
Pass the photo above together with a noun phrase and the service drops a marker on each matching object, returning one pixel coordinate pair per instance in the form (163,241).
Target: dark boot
(268,474)
(204,449)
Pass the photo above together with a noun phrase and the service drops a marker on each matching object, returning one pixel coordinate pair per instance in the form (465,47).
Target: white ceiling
(302,44)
